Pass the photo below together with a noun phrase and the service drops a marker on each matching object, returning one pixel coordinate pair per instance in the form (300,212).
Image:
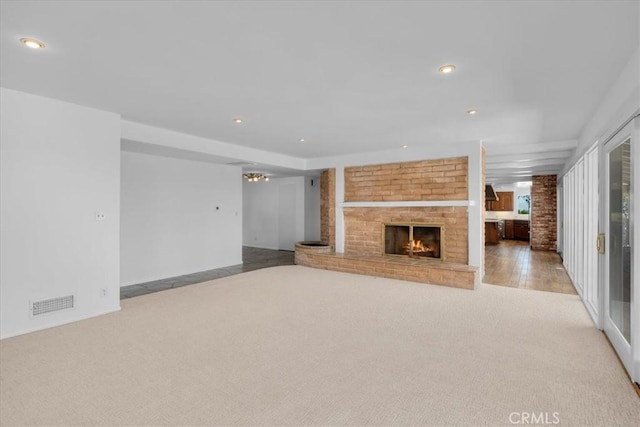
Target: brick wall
(544,212)
(441,179)
(328,206)
(363,228)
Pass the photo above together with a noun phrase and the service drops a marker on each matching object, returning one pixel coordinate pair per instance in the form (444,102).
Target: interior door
(618,296)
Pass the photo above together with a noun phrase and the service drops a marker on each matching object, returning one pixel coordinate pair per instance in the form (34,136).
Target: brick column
(544,203)
(328,206)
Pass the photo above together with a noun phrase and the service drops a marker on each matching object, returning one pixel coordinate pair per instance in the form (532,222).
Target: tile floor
(252,258)
(512,263)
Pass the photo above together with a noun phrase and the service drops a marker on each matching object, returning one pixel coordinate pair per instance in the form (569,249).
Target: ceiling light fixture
(32,43)
(255,177)
(447,69)
(301,140)
(472,112)
(237,120)
(405,146)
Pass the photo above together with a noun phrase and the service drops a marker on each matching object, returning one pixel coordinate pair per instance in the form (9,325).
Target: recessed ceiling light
(405,146)
(237,120)
(301,140)
(32,43)
(472,112)
(447,69)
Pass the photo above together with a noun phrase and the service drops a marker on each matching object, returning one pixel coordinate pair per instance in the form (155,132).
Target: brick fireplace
(404,220)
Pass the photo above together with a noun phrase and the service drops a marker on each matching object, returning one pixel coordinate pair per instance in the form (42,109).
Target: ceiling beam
(527,165)
(502,148)
(520,157)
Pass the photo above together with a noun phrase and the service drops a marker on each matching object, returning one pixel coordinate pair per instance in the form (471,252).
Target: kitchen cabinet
(491,233)
(521,230)
(504,202)
(508,229)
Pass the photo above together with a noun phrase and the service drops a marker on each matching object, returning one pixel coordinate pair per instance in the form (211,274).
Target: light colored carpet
(297,346)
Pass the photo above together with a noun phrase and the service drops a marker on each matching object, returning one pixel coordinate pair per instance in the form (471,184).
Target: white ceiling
(347,77)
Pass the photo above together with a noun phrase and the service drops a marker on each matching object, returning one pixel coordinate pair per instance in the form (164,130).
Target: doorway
(513,264)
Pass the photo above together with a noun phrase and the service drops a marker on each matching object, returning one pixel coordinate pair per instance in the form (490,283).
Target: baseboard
(264,247)
(66,322)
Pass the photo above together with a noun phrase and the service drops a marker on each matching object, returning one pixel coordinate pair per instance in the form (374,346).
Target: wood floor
(512,263)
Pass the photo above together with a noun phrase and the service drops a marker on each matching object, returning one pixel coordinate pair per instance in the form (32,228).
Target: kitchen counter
(507,218)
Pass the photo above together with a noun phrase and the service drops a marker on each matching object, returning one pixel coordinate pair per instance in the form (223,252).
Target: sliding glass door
(618,296)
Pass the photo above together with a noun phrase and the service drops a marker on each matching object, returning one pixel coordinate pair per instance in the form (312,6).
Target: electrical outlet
(100,216)
(104,292)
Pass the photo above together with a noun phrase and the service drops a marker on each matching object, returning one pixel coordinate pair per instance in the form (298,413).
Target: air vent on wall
(45,306)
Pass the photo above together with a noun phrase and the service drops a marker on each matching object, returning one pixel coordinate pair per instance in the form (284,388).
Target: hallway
(512,263)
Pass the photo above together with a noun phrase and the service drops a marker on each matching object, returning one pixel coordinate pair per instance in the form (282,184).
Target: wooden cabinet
(516,229)
(521,230)
(491,234)
(492,206)
(504,202)
(508,229)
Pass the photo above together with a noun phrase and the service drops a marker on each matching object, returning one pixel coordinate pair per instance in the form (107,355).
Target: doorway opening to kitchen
(509,259)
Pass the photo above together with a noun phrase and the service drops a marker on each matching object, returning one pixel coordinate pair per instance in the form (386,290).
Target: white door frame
(624,349)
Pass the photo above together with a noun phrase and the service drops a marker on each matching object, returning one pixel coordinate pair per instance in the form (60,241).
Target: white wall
(267,223)
(177,217)
(260,214)
(622,100)
(59,166)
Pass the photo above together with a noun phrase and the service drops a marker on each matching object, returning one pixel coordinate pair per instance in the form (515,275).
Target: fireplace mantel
(400,204)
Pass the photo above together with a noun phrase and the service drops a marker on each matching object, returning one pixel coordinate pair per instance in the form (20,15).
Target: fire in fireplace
(414,240)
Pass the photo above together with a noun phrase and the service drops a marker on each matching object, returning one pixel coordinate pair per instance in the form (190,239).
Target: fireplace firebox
(415,240)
